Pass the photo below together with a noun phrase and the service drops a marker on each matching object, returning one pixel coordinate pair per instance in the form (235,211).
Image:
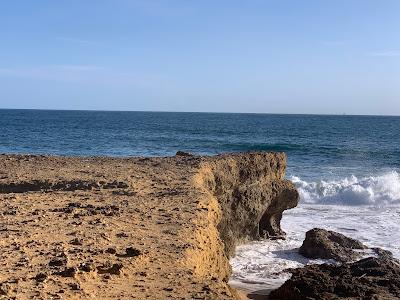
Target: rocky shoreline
(163,228)
(134,228)
(374,276)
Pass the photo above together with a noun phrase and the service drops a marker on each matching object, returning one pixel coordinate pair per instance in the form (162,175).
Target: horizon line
(204,112)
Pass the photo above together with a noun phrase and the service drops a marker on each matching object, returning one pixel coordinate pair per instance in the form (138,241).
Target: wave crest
(374,190)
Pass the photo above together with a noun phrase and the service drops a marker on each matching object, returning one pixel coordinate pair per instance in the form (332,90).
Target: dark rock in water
(182,153)
(321,243)
(369,278)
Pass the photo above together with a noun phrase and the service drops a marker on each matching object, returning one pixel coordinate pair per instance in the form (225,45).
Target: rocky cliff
(252,194)
(134,228)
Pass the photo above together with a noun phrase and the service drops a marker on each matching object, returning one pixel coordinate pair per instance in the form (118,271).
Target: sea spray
(382,190)
(364,208)
(262,264)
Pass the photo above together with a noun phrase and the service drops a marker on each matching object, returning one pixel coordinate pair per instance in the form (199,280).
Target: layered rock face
(134,228)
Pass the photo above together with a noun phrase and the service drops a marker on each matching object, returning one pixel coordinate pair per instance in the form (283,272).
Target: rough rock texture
(134,228)
(370,278)
(321,243)
(252,195)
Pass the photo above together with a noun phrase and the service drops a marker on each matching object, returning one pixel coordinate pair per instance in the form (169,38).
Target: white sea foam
(374,190)
(366,209)
(261,265)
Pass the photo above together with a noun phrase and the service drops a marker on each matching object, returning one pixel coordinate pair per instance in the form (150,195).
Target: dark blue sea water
(329,146)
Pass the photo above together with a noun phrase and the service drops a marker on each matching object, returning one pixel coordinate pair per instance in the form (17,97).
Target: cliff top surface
(133,228)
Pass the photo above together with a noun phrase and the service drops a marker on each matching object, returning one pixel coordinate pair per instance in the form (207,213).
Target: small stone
(76,242)
(132,252)
(86,267)
(41,277)
(114,269)
(74,286)
(56,262)
(68,272)
(111,250)
(121,235)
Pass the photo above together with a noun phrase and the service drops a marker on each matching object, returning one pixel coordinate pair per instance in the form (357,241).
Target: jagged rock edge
(210,260)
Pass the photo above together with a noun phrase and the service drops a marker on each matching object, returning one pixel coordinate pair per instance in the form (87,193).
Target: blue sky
(272,56)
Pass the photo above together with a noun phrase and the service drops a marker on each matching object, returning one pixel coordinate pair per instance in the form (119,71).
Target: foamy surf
(262,265)
(369,211)
(379,190)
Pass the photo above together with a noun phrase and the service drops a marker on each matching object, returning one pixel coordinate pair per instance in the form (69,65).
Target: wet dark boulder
(369,278)
(376,277)
(325,244)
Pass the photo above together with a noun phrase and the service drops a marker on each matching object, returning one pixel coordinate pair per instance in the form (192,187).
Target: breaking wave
(383,190)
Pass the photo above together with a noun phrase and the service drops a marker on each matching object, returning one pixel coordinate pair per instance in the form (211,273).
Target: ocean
(346,168)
